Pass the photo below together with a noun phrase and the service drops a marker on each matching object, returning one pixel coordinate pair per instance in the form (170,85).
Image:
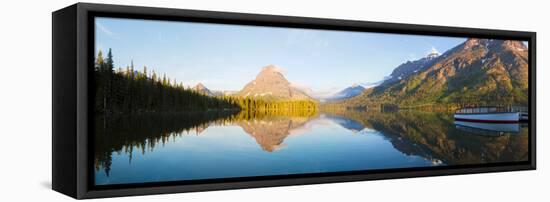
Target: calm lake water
(157,148)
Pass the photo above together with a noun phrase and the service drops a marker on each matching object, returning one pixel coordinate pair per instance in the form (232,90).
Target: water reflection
(323,142)
(495,129)
(434,135)
(347,123)
(270,133)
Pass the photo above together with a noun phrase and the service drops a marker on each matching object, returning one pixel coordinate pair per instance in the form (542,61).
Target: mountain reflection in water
(168,147)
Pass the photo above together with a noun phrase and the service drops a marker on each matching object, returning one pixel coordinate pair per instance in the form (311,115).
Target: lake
(174,147)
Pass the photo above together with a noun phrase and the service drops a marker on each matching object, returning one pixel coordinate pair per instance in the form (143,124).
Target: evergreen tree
(99,61)
(133,91)
(109,63)
(154,76)
(145,71)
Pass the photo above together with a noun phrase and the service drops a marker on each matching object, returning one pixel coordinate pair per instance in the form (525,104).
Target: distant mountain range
(347,93)
(478,70)
(475,71)
(200,88)
(271,84)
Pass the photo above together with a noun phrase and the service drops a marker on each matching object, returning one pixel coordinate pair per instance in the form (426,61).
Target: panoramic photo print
(180,101)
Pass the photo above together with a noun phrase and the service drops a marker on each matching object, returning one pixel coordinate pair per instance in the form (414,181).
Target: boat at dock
(491,114)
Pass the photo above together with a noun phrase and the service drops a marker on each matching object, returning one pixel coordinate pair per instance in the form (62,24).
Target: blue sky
(226,57)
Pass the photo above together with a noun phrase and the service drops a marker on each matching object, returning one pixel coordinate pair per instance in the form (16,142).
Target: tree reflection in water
(430,135)
(433,135)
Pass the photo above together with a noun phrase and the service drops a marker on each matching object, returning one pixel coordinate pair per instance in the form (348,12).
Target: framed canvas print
(154,100)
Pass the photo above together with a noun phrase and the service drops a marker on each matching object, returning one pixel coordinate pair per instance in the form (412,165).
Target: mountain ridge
(408,68)
(346,93)
(482,71)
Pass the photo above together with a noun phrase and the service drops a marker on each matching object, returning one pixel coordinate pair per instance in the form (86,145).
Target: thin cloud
(104,29)
(374,84)
(319,94)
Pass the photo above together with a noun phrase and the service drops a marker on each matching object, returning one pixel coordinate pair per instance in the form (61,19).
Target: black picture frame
(72,68)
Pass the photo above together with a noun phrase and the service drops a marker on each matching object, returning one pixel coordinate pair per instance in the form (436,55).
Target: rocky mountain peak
(514,45)
(494,44)
(200,86)
(474,42)
(271,83)
(203,90)
(432,55)
(271,68)
(271,73)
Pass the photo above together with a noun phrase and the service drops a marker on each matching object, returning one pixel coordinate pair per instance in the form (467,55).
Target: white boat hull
(498,117)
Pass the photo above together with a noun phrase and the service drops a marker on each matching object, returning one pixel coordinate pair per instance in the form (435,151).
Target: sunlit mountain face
(270,83)
(486,70)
